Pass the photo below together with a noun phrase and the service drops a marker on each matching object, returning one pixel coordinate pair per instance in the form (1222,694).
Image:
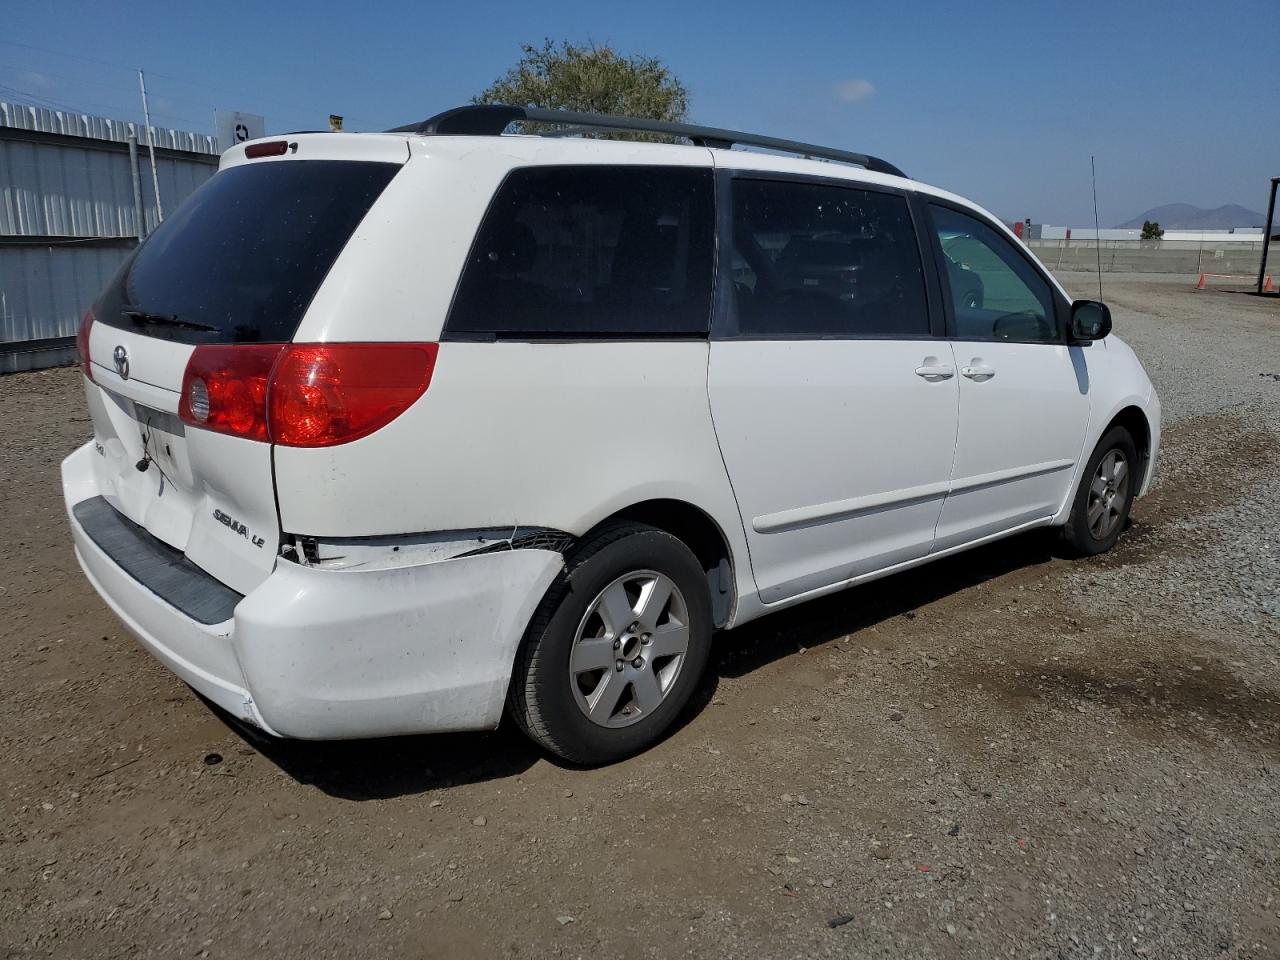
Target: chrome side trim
(841,509)
(1013,473)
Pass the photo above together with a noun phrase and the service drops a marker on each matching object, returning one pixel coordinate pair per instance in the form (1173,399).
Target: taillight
(303,395)
(327,393)
(82,343)
(224,388)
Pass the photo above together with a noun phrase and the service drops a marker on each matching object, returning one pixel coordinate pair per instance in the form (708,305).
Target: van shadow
(395,766)
(399,766)
(818,622)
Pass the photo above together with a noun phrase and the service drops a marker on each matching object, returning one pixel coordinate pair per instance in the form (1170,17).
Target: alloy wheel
(629,648)
(1108,495)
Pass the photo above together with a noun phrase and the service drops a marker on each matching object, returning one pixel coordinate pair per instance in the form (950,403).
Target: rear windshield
(241,259)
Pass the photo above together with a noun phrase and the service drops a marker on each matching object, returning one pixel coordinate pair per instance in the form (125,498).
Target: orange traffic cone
(1268,287)
(1200,285)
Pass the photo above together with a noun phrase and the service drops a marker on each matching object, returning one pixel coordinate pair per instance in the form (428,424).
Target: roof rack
(492,119)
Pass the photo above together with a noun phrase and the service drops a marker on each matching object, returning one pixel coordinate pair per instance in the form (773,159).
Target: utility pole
(138,214)
(151,146)
(1097,231)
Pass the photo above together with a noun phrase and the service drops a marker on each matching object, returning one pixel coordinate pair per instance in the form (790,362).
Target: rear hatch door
(238,263)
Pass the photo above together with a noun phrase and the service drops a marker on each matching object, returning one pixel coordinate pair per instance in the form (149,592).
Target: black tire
(1084,538)
(541,698)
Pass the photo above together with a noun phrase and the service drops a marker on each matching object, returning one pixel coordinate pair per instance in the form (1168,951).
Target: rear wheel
(616,648)
(1105,496)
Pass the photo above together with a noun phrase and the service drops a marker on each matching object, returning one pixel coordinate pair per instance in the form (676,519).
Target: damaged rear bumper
(316,653)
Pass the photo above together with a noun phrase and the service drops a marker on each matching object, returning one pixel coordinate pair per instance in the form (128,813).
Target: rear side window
(591,251)
(819,260)
(241,259)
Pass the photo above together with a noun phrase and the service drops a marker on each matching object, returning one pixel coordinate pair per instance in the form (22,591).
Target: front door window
(995,294)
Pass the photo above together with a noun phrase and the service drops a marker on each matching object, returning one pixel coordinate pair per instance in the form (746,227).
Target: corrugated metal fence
(68,219)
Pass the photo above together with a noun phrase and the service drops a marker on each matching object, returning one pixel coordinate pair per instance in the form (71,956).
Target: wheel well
(700,534)
(1135,421)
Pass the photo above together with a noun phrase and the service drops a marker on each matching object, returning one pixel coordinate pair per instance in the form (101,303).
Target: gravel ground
(1002,754)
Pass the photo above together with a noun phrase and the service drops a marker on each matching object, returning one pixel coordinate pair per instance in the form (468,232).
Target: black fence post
(1266,233)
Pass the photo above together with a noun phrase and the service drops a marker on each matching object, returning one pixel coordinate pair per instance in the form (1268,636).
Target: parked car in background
(395,433)
(966,283)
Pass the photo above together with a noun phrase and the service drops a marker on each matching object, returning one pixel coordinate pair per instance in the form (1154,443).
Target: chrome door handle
(934,371)
(978,371)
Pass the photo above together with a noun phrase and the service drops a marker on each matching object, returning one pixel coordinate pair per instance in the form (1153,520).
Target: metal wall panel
(44,290)
(37,355)
(67,190)
(66,184)
(23,117)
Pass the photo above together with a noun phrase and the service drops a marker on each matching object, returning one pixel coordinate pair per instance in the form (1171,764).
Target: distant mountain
(1185,216)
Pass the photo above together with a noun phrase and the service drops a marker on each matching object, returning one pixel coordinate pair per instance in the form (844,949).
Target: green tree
(591,79)
(1151,230)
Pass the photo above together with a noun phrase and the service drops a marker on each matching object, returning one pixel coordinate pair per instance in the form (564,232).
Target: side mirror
(1090,320)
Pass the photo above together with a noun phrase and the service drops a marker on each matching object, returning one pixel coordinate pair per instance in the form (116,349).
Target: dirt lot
(1004,754)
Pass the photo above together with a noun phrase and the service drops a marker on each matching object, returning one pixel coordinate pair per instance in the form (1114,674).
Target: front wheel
(1102,502)
(616,648)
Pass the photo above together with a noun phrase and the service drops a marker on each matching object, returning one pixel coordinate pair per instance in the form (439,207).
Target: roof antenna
(1097,233)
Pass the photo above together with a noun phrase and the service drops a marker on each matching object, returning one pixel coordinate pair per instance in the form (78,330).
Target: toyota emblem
(121,357)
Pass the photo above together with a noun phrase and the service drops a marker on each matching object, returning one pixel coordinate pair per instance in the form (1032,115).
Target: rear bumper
(332,654)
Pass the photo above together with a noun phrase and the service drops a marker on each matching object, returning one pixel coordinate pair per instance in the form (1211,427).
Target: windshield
(241,259)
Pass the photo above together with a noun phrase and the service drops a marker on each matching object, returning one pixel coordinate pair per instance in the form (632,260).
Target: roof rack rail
(491,119)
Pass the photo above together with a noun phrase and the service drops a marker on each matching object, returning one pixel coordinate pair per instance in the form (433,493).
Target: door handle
(933,371)
(978,371)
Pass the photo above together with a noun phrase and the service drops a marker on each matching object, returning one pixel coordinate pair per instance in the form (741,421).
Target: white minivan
(395,433)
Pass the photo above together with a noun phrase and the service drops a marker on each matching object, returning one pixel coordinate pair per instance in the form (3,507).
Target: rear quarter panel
(557,435)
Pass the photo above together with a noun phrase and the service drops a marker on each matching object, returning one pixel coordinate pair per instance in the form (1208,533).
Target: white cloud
(851,91)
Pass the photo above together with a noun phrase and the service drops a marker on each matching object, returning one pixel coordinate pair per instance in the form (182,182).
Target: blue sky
(1002,102)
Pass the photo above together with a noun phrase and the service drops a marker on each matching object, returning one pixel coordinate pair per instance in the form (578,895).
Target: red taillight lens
(322,394)
(82,343)
(224,388)
(303,395)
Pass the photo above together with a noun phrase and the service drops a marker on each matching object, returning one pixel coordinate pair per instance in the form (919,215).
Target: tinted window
(818,260)
(591,251)
(246,252)
(995,292)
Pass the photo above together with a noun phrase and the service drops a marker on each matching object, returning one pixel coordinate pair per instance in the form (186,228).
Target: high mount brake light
(272,148)
(82,343)
(303,394)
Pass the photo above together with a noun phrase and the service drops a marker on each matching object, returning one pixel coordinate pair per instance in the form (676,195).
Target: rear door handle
(977,370)
(933,370)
